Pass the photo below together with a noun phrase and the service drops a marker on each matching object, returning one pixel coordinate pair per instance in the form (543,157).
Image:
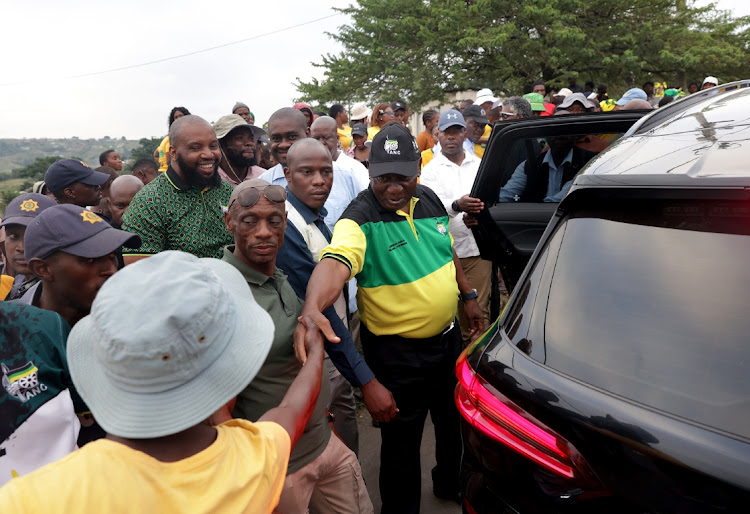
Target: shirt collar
(251,276)
(307,213)
(176,181)
(548,159)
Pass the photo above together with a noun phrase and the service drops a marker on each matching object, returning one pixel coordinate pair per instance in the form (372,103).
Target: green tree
(144,150)
(36,170)
(420,50)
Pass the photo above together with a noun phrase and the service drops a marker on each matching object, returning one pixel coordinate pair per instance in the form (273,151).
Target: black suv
(617,379)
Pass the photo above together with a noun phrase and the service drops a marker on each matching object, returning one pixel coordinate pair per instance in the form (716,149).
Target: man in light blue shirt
(549,177)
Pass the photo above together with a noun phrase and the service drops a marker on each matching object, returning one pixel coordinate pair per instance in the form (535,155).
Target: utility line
(165,59)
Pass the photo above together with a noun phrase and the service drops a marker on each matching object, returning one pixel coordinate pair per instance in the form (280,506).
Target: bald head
(121,193)
(181,125)
(304,148)
(288,114)
(324,122)
(324,129)
(637,104)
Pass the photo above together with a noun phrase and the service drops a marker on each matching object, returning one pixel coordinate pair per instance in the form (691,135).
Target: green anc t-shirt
(38,403)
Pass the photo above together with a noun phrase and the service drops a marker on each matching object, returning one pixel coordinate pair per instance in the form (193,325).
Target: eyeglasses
(506,115)
(387,113)
(250,196)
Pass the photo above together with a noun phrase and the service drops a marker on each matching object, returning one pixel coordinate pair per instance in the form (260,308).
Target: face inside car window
(542,170)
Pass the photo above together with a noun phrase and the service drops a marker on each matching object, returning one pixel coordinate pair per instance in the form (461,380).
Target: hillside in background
(17,153)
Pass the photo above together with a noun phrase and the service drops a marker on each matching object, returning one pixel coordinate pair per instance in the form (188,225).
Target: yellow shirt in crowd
(345,136)
(242,471)
(371,131)
(163,150)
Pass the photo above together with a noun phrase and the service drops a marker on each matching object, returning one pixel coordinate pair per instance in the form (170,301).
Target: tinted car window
(651,303)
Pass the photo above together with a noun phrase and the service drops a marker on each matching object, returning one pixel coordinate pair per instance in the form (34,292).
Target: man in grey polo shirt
(323,474)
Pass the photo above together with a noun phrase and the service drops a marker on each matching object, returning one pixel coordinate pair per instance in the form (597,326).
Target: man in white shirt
(450,174)
(324,129)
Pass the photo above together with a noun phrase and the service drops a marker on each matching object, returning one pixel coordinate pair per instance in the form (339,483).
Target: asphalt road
(369,458)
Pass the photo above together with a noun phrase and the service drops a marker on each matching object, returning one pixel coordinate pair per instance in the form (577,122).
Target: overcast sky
(47,43)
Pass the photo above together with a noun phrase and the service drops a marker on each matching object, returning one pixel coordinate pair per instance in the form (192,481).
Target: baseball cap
(64,172)
(710,80)
(22,209)
(634,93)
(146,376)
(564,92)
(450,118)
(73,230)
(394,150)
(224,125)
(573,98)
(398,105)
(536,100)
(360,111)
(476,113)
(359,129)
(485,95)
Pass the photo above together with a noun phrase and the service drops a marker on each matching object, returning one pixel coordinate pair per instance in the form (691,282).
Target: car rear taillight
(490,412)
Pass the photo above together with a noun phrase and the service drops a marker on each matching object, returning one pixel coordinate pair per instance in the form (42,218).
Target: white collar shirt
(450,182)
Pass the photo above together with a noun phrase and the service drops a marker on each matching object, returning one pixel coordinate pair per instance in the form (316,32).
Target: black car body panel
(646,382)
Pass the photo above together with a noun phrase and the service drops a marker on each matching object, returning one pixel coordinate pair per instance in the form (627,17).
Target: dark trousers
(420,374)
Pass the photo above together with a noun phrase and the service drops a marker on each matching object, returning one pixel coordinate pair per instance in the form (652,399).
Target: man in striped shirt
(394,239)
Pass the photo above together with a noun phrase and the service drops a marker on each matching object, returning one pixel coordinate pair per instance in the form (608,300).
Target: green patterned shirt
(170,215)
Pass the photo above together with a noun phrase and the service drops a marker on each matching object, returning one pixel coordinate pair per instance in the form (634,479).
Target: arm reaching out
(299,401)
(325,286)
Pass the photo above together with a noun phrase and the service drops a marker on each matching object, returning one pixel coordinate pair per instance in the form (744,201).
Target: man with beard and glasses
(237,140)
(184,208)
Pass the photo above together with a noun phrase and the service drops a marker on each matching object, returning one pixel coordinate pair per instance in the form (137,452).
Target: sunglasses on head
(250,196)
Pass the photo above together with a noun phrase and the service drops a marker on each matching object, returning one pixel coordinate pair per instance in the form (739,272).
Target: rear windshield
(651,302)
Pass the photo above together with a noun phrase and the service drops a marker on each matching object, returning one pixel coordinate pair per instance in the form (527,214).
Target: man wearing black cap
(73,182)
(72,251)
(476,122)
(394,239)
(237,140)
(19,214)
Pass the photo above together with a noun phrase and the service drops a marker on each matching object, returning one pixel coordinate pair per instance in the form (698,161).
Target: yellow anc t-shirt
(163,150)
(243,471)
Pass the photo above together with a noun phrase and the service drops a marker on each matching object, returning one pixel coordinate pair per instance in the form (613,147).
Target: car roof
(702,140)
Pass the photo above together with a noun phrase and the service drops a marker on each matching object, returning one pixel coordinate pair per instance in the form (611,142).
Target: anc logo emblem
(90,217)
(441,227)
(84,164)
(29,205)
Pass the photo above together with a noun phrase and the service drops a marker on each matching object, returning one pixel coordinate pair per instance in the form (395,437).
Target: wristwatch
(454,206)
(469,296)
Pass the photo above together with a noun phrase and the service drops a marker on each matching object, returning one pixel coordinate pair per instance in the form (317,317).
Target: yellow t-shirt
(427,156)
(479,149)
(345,136)
(163,150)
(6,284)
(242,471)
(371,131)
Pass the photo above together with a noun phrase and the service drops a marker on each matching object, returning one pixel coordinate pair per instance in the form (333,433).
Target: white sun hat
(170,339)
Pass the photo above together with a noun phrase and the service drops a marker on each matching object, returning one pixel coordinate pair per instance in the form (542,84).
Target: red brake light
(490,412)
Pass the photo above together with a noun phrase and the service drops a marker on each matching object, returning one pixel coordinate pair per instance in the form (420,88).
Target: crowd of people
(191,336)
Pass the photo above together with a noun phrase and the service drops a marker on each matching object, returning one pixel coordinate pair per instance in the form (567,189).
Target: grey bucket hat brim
(141,415)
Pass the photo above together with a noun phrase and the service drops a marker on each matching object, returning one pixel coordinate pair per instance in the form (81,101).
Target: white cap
(485,95)
(710,80)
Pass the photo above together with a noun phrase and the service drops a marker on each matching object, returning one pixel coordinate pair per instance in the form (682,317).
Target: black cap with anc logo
(394,150)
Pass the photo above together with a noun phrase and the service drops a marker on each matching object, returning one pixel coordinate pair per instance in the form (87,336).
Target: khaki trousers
(332,483)
(478,273)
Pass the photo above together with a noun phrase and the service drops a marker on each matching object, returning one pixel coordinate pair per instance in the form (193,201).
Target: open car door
(509,231)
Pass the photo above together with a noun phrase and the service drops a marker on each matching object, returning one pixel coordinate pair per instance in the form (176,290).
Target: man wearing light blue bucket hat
(159,355)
